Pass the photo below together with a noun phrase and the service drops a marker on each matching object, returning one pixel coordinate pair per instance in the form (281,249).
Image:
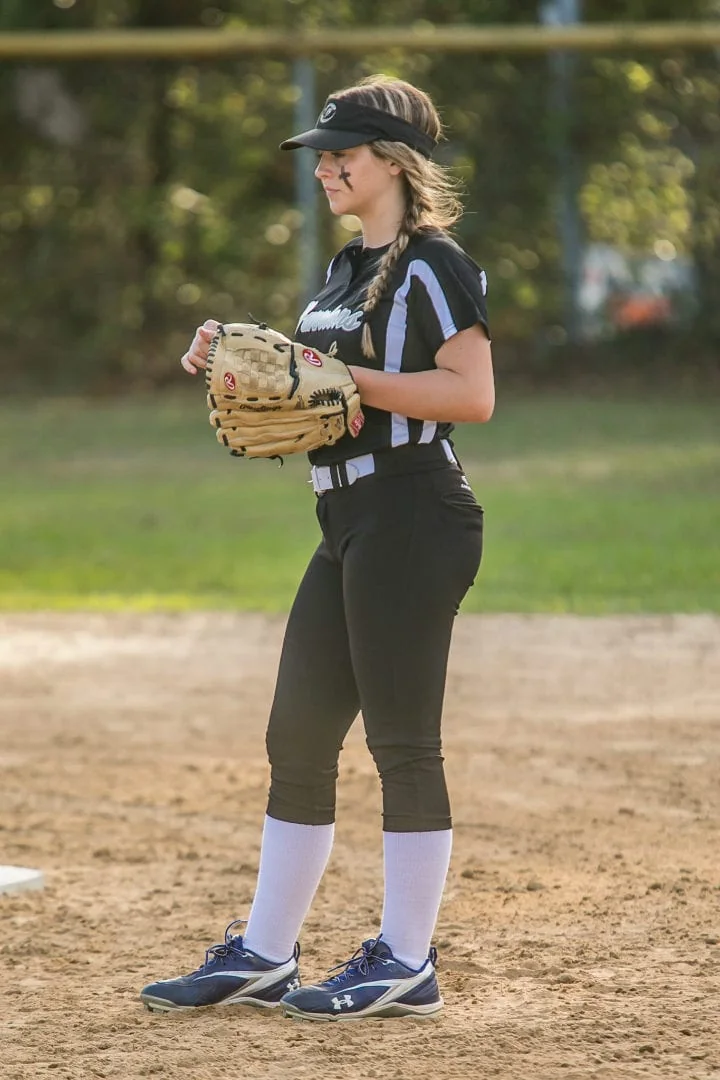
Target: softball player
(370,628)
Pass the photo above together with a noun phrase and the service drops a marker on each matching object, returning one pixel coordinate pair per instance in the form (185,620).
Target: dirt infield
(580,934)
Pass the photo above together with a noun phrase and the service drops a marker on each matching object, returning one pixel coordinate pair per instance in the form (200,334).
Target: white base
(15,878)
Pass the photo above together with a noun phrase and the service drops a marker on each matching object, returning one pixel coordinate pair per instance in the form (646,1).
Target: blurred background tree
(139,198)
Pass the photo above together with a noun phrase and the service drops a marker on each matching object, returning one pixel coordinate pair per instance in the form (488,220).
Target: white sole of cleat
(158,1005)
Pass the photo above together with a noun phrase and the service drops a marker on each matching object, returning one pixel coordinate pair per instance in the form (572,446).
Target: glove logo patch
(356,424)
(229,380)
(312,358)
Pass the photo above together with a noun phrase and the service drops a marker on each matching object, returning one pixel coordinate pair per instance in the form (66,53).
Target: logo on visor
(328,113)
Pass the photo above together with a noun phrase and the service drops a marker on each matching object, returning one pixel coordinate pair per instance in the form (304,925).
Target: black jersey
(436,290)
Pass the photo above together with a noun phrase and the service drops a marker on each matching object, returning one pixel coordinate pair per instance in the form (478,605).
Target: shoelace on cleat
(364,958)
(361,961)
(231,946)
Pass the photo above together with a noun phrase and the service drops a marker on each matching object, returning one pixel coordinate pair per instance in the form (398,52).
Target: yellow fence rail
(201,44)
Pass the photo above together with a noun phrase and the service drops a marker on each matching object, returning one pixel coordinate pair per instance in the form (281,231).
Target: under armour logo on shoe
(345,1000)
(294,984)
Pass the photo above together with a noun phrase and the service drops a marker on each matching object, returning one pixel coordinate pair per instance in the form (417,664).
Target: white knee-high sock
(416,866)
(292,862)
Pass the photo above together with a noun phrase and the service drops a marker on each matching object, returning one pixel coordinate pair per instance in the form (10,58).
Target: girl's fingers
(196,356)
(192,362)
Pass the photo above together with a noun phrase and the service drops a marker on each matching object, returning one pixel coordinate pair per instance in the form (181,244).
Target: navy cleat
(231,975)
(372,984)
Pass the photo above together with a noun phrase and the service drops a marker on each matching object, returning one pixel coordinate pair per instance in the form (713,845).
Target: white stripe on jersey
(394,344)
(396,333)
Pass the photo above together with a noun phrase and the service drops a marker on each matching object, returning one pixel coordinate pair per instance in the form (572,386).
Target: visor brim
(327,139)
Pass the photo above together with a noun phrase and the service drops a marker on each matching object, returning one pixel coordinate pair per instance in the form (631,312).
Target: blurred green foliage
(139,198)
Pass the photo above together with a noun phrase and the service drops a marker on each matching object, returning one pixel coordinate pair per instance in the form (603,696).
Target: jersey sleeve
(448,294)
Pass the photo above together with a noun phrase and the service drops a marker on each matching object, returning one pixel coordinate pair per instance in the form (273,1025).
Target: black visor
(344,123)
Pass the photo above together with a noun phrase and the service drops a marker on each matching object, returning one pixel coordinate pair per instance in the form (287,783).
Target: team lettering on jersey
(337,318)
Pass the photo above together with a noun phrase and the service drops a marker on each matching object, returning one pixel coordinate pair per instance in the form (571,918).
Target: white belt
(326,477)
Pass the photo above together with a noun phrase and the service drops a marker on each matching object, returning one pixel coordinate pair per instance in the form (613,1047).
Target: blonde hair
(431,192)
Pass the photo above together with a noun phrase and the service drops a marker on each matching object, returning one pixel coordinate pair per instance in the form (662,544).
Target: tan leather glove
(270,396)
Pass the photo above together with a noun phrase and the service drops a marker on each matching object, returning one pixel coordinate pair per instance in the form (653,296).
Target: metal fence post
(305,182)
(562,67)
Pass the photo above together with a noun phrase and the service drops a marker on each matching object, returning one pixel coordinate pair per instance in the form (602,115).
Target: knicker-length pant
(370,630)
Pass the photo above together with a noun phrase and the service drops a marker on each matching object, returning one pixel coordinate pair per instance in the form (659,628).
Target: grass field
(592,506)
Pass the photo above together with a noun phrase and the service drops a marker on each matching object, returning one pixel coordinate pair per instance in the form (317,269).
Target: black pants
(370,629)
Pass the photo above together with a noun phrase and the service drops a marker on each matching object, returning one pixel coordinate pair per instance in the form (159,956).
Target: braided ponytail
(408,226)
(431,193)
